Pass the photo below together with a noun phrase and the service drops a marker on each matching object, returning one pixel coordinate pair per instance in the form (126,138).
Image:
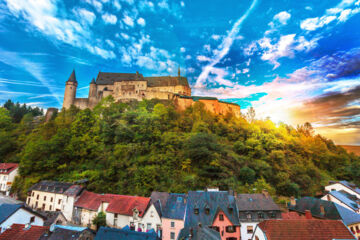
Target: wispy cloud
(224,47)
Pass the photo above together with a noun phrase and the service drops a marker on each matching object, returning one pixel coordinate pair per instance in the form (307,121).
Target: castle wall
(81,103)
(178,89)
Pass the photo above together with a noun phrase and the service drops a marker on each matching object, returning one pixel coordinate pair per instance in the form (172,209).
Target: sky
(293,61)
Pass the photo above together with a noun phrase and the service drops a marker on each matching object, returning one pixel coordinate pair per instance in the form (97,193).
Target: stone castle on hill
(125,87)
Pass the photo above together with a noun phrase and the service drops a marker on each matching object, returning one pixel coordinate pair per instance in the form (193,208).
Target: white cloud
(312,24)
(86,17)
(110,43)
(245,70)
(146,5)
(96,4)
(188,57)
(207,47)
(125,36)
(117,5)
(215,37)
(163,4)
(282,17)
(308,8)
(141,22)
(109,18)
(202,58)
(182,49)
(128,21)
(101,52)
(345,15)
(182,4)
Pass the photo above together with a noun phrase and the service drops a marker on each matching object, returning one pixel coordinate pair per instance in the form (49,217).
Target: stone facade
(126,87)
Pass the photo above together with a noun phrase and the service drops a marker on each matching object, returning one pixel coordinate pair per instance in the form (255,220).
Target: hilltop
(352,149)
(137,147)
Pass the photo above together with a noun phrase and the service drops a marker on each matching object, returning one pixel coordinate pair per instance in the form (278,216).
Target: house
(345,199)
(344,186)
(173,215)
(14,212)
(54,196)
(59,232)
(199,233)
(254,208)
(106,233)
(53,218)
(120,210)
(308,229)
(24,232)
(8,172)
(215,209)
(322,209)
(152,216)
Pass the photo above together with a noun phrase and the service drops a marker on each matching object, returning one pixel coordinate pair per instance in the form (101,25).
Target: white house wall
(258,233)
(243,229)
(152,217)
(21,216)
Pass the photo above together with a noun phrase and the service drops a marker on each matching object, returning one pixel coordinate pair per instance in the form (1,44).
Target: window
(230,229)
(148,226)
(273,215)
(32,194)
(248,216)
(196,211)
(44,198)
(250,229)
(28,201)
(51,199)
(260,215)
(59,201)
(230,210)
(231,238)
(36,204)
(352,230)
(43,206)
(322,210)
(216,228)
(172,224)
(172,235)
(50,207)
(32,219)
(132,226)
(207,211)
(221,217)
(37,197)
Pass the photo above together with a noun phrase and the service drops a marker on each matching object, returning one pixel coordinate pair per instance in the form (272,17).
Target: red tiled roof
(9,167)
(292,216)
(309,229)
(120,204)
(17,232)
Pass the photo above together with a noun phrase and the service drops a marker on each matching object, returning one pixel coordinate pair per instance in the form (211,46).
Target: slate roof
(74,190)
(66,232)
(51,186)
(332,210)
(108,78)
(215,201)
(106,233)
(199,233)
(351,185)
(51,217)
(18,232)
(255,202)
(72,77)
(166,81)
(6,168)
(159,200)
(6,210)
(120,204)
(175,206)
(309,229)
(345,198)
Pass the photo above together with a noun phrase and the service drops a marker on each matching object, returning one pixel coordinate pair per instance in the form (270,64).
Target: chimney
(308,214)
(265,193)
(292,201)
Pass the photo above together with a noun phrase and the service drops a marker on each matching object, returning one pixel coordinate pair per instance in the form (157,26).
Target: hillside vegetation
(139,147)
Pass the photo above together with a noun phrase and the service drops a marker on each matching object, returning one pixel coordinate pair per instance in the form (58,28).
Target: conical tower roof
(93,81)
(72,77)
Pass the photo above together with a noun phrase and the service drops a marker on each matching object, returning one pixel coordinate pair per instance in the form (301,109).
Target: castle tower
(70,91)
(93,93)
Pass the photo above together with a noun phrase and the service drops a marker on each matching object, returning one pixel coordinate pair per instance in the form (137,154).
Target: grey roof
(346,198)
(199,233)
(175,206)
(93,81)
(351,185)
(51,186)
(6,210)
(67,232)
(8,200)
(51,217)
(159,200)
(108,78)
(106,233)
(255,202)
(332,210)
(74,190)
(166,81)
(72,77)
(214,201)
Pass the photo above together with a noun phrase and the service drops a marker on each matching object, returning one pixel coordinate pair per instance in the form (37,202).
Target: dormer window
(261,215)
(207,210)
(196,211)
(322,210)
(230,210)
(221,217)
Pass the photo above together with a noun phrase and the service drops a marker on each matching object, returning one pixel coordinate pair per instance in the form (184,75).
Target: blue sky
(294,61)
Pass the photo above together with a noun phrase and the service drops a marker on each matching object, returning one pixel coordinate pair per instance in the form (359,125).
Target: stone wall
(81,103)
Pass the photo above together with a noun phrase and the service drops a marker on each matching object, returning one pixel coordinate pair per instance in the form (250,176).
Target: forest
(139,147)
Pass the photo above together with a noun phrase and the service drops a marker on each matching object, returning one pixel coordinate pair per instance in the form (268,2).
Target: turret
(92,93)
(70,91)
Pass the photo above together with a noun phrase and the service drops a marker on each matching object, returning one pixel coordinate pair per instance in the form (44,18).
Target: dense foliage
(138,147)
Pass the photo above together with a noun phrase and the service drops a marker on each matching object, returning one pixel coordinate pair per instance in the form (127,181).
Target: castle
(134,86)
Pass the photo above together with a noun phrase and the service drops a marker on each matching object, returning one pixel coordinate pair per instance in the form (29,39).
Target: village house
(322,209)
(173,216)
(214,209)
(345,199)
(343,186)
(8,172)
(304,229)
(25,231)
(54,196)
(54,218)
(120,210)
(254,208)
